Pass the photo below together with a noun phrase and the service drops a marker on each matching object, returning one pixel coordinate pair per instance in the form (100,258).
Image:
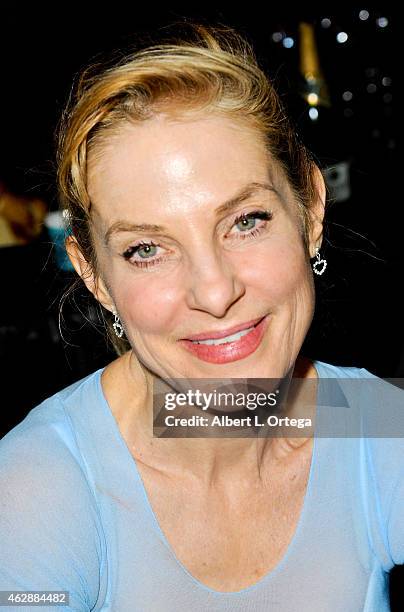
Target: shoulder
(47,429)
(377,404)
(41,452)
(40,462)
(376,423)
(50,525)
(328,370)
(382,467)
(375,417)
(377,411)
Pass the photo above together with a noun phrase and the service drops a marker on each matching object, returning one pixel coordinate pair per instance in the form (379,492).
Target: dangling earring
(117,325)
(319,265)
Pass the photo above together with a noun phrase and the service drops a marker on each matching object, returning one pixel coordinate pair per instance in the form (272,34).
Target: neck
(208,459)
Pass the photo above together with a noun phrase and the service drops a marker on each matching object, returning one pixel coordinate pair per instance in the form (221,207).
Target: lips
(248,338)
(225,332)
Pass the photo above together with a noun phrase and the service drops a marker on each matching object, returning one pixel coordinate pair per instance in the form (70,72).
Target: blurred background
(335,71)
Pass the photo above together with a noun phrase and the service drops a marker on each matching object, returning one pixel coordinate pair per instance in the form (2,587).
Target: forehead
(164,163)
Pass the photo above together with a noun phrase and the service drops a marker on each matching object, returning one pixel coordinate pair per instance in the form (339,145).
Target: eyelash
(263,215)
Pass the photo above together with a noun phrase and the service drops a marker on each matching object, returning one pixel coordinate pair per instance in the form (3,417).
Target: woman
(194,213)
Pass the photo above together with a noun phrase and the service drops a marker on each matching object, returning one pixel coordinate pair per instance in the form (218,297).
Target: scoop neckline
(302,520)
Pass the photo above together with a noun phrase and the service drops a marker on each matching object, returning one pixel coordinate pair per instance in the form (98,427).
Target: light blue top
(75,516)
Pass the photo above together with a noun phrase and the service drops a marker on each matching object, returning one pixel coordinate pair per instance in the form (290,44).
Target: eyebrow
(244,194)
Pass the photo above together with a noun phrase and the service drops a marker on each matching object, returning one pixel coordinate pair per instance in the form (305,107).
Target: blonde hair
(212,69)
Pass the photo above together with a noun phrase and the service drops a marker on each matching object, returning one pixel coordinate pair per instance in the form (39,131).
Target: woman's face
(198,238)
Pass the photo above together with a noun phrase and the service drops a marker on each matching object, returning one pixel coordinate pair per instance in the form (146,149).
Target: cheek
(148,303)
(277,270)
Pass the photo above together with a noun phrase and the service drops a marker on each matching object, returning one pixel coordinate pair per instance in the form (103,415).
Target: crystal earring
(117,325)
(319,265)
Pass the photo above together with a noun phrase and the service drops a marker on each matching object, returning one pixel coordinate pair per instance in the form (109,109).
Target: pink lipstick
(227,345)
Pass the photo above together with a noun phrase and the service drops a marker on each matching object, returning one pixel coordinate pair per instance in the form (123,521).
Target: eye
(147,250)
(145,253)
(247,223)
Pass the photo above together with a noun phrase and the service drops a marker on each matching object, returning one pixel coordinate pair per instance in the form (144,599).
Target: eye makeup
(144,254)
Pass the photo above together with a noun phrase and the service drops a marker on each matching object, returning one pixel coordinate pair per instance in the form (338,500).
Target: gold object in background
(315,90)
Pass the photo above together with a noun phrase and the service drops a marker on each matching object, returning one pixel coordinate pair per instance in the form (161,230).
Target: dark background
(358,319)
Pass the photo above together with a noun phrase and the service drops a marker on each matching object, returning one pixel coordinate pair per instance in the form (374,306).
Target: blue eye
(246,222)
(145,250)
(146,254)
(148,250)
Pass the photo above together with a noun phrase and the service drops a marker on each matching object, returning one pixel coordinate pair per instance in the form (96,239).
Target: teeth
(226,339)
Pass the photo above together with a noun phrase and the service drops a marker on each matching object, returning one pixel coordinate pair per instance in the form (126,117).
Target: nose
(214,285)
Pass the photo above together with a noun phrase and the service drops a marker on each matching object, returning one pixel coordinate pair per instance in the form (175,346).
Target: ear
(316,212)
(95,284)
